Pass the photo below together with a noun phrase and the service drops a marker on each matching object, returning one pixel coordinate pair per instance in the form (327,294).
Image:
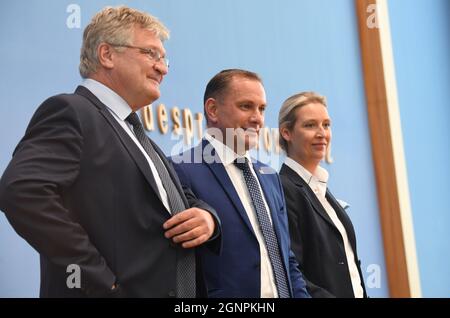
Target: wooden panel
(380,123)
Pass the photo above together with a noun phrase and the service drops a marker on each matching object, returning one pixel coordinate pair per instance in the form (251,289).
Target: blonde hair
(287,115)
(114,25)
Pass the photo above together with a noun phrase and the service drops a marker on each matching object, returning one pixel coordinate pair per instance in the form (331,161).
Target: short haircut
(219,84)
(114,25)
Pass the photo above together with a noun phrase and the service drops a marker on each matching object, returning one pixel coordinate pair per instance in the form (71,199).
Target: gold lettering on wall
(147,117)
(199,121)
(276,138)
(188,126)
(175,113)
(184,123)
(267,138)
(328,157)
(162,119)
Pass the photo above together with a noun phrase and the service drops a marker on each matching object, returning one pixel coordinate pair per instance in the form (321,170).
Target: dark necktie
(186,261)
(266,228)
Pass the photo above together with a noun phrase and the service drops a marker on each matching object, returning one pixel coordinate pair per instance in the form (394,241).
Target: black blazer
(80,191)
(316,242)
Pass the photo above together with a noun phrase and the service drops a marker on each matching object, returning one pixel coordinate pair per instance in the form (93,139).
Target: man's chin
(252,143)
(246,143)
(153,94)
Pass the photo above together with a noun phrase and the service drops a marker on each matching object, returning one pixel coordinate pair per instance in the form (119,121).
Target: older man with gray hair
(91,192)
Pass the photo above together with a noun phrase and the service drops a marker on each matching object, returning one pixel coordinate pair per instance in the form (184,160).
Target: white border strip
(397,148)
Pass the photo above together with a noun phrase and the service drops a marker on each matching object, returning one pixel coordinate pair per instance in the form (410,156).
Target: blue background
(421,43)
(295,45)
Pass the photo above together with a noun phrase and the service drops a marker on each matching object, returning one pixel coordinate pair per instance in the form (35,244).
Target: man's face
(239,113)
(135,75)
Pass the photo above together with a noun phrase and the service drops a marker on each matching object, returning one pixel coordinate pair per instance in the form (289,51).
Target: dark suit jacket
(316,242)
(80,191)
(236,272)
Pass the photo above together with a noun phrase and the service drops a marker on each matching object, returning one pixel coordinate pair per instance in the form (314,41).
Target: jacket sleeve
(45,164)
(215,241)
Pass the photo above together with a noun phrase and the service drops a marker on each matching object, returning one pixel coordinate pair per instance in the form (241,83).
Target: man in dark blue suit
(256,259)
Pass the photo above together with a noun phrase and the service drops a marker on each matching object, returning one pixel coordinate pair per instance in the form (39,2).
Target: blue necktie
(266,228)
(186,259)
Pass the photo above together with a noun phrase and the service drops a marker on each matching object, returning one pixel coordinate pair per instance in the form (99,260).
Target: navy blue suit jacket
(236,271)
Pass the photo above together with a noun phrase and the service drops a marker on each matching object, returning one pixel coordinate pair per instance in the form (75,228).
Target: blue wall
(295,45)
(421,42)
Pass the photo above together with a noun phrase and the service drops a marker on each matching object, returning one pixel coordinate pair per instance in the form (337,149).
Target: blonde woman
(322,235)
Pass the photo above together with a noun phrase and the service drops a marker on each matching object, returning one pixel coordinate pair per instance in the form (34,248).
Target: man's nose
(161,68)
(258,117)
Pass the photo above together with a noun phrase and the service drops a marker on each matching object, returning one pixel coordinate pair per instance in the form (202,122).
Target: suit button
(341,263)
(257,266)
(171,294)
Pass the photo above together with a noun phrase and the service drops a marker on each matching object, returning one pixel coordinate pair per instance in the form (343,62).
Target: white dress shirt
(120,110)
(318,184)
(227,157)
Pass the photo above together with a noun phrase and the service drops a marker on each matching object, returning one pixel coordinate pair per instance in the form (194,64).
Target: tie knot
(241,163)
(133,119)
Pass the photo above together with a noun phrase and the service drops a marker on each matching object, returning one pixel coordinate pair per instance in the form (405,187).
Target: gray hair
(287,115)
(114,25)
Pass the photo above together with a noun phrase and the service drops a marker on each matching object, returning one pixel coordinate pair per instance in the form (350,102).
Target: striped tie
(185,260)
(266,228)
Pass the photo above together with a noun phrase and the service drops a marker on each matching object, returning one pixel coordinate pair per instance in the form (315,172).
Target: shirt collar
(108,97)
(320,176)
(226,155)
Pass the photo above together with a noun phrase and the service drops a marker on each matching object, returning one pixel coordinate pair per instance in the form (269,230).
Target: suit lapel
(221,175)
(343,217)
(128,143)
(304,187)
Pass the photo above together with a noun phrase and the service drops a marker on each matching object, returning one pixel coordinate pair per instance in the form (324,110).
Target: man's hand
(191,227)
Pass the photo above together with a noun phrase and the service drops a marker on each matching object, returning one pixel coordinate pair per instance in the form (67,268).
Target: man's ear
(211,110)
(105,55)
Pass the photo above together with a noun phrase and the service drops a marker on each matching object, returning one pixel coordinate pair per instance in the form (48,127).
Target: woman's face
(311,135)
